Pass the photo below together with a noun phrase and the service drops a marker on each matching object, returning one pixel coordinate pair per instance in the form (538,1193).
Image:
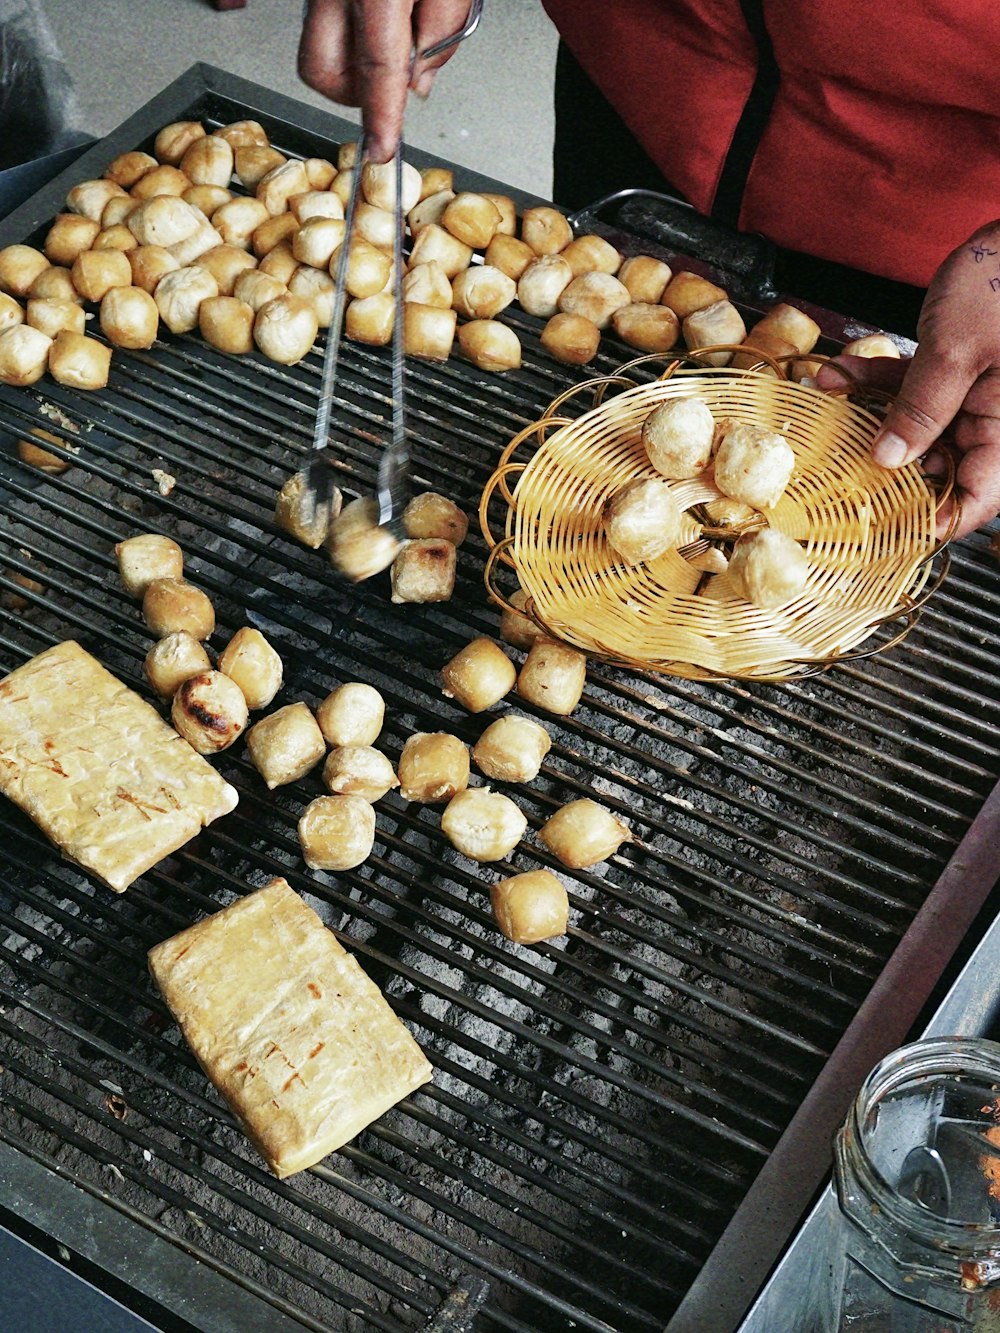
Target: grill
(612,1115)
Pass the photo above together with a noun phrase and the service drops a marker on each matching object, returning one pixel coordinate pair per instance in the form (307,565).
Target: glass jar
(917,1172)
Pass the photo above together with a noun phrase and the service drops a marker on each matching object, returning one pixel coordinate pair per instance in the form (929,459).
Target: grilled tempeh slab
(98,770)
(299,1041)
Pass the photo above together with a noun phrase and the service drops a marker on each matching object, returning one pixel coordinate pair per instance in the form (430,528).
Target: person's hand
(359,53)
(948,395)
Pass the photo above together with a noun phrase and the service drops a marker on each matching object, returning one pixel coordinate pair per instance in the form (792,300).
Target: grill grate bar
(802,797)
(967,588)
(636,1204)
(655,911)
(547,1121)
(939,716)
(171,1053)
(919,663)
(742,862)
(655,1036)
(353,427)
(216,837)
(625,1269)
(162,1152)
(80,1069)
(39,939)
(812,753)
(832,843)
(423,1018)
(236,511)
(500,1158)
(762,843)
(667,1147)
(677,924)
(177,1199)
(942,613)
(734,831)
(553,1047)
(206,1257)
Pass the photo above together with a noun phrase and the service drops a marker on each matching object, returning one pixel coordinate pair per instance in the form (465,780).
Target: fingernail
(424,84)
(889,450)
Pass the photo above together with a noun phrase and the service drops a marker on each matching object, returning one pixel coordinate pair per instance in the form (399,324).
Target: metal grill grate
(600,1105)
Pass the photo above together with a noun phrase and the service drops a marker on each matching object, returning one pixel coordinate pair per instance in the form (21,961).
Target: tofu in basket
(286,1024)
(98,769)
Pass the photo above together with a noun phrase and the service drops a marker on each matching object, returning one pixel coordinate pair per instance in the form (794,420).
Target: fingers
(870,372)
(383,36)
(977,440)
(977,484)
(933,390)
(435,21)
(357,52)
(325,56)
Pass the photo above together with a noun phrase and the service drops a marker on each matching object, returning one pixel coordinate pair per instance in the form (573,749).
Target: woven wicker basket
(868,532)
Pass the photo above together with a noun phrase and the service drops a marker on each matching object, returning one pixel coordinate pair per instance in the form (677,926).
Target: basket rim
(612,397)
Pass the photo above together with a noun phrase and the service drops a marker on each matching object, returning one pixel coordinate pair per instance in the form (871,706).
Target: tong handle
(471,24)
(393,468)
(331,356)
(393,472)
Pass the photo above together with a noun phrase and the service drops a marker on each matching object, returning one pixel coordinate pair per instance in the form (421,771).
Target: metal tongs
(392,486)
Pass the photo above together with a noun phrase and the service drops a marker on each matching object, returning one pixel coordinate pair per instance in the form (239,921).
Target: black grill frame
(840,828)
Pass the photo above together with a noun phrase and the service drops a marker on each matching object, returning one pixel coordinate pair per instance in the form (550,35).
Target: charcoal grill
(624,1125)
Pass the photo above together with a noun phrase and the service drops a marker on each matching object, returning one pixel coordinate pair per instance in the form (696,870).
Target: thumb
(933,390)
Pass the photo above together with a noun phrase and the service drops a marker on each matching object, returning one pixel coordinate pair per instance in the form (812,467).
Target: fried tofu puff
(583,833)
(209,711)
(433,766)
(359,770)
(170,604)
(642,520)
(424,571)
(285,745)
(174,659)
(337,832)
(769,568)
(511,749)
(553,676)
(479,675)
(352,714)
(147,557)
(482,824)
(753,465)
(254,664)
(678,437)
(531,907)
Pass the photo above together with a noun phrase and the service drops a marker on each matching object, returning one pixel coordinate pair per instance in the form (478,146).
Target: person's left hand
(948,395)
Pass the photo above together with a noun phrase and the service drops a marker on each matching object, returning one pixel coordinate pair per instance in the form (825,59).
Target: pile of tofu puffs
(219,232)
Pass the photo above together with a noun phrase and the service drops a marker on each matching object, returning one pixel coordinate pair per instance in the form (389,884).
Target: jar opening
(925,1140)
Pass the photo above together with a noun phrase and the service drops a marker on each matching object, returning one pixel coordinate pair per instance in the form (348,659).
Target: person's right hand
(947,399)
(361,53)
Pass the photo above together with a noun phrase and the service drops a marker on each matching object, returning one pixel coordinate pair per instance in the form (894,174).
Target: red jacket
(881,148)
